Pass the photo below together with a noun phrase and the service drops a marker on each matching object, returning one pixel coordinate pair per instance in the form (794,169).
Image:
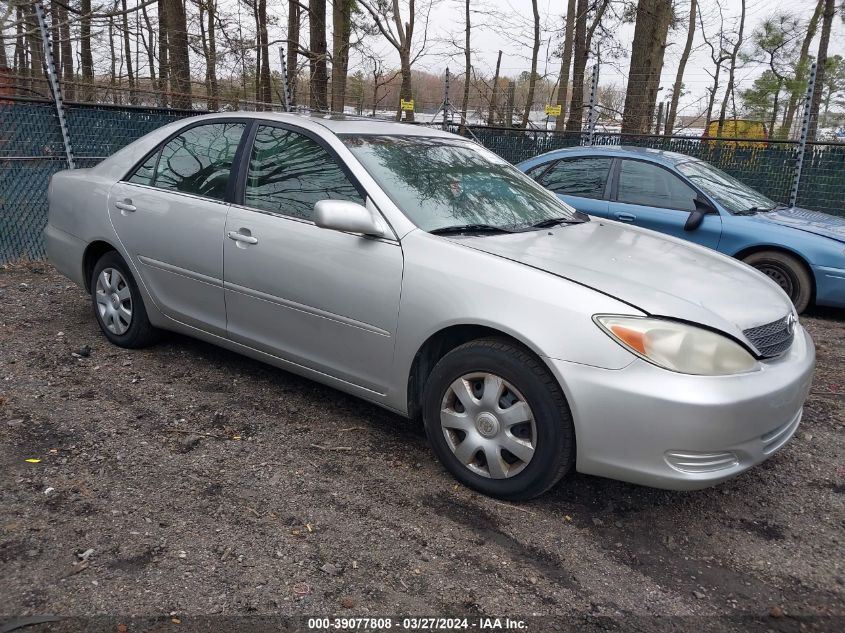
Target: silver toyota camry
(419,271)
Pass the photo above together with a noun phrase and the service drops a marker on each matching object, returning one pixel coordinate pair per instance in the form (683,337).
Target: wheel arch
(759,248)
(441,343)
(93,252)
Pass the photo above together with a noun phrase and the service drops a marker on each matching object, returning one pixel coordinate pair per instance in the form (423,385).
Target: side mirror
(349,217)
(702,209)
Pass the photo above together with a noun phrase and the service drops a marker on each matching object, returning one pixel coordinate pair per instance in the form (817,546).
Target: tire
(114,294)
(454,430)
(788,273)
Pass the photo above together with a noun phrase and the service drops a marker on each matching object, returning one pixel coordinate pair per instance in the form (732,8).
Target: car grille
(772,339)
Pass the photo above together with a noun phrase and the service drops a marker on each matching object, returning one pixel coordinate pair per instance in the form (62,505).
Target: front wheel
(788,273)
(498,421)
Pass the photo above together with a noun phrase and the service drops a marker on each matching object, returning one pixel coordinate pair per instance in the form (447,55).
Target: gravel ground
(208,483)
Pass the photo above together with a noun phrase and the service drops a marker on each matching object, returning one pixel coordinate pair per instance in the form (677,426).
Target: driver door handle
(125,205)
(626,217)
(241,237)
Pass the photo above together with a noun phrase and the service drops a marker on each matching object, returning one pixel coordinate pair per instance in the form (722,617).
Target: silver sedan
(421,272)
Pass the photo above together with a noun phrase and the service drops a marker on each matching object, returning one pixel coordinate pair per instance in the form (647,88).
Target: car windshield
(444,183)
(735,196)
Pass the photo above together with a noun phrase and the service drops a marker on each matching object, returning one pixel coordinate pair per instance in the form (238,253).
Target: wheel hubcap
(781,277)
(488,425)
(114,301)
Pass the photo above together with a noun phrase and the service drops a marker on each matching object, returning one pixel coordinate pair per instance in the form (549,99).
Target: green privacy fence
(31,150)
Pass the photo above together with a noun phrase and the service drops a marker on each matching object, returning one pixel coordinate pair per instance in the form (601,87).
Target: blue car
(803,251)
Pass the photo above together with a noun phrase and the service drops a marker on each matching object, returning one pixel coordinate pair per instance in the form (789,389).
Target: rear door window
(198,161)
(584,177)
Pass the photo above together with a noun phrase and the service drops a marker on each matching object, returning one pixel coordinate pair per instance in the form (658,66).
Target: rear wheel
(787,272)
(498,421)
(118,305)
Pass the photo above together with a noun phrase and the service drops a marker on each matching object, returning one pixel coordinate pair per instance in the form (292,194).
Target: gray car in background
(421,272)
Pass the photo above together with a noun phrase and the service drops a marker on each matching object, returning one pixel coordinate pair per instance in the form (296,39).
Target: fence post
(802,141)
(285,85)
(593,111)
(55,88)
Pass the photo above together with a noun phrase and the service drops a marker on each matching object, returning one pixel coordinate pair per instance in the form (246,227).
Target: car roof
(655,155)
(341,123)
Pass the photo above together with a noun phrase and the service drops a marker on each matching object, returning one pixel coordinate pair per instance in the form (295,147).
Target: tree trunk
(177,45)
(532,80)
(729,89)
(576,104)
(406,92)
(149,46)
(317,55)
(128,52)
(68,90)
(494,97)
(341,31)
(682,64)
(116,97)
(467,64)
(36,56)
(821,62)
(801,71)
(163,52)
(55,37)
(211,57)
(266,93)
(294,20)
(652,27)
(565,63)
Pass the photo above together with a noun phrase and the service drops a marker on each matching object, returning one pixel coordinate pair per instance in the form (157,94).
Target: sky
(513,35)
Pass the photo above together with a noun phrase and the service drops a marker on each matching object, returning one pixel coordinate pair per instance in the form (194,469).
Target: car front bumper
(651,426)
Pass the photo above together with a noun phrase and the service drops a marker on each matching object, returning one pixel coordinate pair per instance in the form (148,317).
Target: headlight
(677,346)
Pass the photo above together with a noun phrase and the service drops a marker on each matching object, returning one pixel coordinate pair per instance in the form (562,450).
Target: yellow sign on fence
(553,110)
(407,105)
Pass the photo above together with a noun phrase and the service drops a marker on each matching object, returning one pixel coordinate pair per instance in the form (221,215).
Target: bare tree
(718,55)
(319,79)
(650,31)
(494,97)
(565,63)
(679,76)
(341,32)
(573,123)
(821,63)
(387,15)
(127,51)
(177,49)
(729,89)
(798,83)
(532,78)
(467,63)
(294,20)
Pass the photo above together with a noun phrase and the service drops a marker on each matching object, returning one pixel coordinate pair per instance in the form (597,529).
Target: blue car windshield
(441,182)
(735,196)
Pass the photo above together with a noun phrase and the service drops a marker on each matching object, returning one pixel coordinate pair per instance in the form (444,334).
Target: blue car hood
(815,222)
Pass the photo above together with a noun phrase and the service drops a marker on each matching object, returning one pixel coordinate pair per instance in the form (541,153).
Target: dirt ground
(207,483)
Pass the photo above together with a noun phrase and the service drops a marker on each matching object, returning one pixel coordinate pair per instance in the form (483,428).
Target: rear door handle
(626,217)
(125,205)
(242,237)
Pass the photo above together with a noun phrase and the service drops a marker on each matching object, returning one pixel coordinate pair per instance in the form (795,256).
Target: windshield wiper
(469,228)
(542,224)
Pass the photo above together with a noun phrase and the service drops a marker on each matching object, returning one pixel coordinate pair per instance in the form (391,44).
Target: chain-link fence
(31,150)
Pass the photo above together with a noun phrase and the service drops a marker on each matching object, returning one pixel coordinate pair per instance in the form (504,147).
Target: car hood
(815,222)
(658,275)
